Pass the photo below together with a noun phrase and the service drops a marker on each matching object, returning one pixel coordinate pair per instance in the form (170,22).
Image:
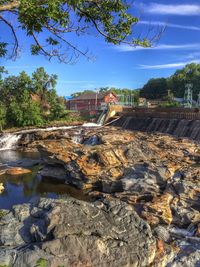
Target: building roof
(91,96)
(68,97)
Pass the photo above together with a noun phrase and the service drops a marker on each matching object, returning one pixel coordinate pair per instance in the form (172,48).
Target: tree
(23,98)
(159,88)
(155,89)
(13,87)
(189,74)
(22,111)
(48,23)
(43,83)
(83,92)
(2,116)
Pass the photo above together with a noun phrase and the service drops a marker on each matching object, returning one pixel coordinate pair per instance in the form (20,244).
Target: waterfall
(9,141)
(102,118)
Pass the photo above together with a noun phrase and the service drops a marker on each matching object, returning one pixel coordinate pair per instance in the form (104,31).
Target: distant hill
(158,88)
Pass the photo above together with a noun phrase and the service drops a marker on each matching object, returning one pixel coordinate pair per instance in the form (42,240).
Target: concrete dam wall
(189,128)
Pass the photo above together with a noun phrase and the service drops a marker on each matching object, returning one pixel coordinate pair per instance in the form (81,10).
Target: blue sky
(124,66)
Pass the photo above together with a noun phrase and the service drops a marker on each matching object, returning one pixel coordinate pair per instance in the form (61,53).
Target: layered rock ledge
(146,186)
(75,233)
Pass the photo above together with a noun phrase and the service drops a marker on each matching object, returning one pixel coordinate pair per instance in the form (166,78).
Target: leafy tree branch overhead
(49,24)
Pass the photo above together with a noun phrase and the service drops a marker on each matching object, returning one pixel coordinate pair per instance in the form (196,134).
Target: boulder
(17,171)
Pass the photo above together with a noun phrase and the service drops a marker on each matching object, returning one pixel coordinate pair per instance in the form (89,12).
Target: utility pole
(188,97)
(96,100)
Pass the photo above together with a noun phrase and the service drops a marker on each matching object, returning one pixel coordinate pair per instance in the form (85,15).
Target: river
(24,188)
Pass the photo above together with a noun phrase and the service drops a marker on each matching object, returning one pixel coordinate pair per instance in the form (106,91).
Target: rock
(162,233)
(25,163)
(54,173)
(76,233)
(185,205)
(17,171)
(157,174)
(195,157)
(1,188)
(188,254)
(159,210)
(3,168)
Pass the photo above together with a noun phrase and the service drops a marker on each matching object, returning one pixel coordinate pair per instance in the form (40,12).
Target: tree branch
(8,7)
(16,43)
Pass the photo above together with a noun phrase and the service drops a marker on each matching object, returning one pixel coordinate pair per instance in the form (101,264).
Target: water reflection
(22,188)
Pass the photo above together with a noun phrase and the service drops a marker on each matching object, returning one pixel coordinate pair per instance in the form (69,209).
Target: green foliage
(170,104)
(158,88)
(57,111)
(3,49)
(27,114)
(2,115)
(2,214)
(83,92)
(41,263)
(48,23)
(155,89)
(189,74)
(30,100)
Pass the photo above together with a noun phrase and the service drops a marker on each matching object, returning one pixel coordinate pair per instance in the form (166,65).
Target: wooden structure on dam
(164,113)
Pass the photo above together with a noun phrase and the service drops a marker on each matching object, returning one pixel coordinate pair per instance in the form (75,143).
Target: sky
(124,66)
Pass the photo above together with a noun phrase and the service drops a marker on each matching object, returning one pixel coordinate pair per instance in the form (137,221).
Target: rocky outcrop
(147,187)
(157,174)
(75,233)
(137,163)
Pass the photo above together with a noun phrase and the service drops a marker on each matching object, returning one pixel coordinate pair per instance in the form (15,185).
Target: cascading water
(9,141)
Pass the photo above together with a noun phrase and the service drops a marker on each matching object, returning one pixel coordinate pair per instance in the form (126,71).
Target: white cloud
(193,55)
(164,9)
(171,25)
(129,48)
(167,66)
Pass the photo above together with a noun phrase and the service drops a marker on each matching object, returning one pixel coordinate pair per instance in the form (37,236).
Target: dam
(180,122)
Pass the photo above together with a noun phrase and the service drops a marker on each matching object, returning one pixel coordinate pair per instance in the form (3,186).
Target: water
(54,128)
(22,188)
(9,141)
(91,124)
(102,118)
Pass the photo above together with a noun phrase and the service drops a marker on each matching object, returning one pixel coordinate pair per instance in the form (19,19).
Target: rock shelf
(146,208)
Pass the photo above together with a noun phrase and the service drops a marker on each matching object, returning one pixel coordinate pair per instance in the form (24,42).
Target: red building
(92,101)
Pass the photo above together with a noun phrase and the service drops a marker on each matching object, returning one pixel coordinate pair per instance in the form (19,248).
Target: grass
(41,263)
(2,214)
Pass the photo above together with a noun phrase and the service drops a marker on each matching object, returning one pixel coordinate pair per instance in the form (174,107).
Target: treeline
(121,92)
(175,84)
(29,100)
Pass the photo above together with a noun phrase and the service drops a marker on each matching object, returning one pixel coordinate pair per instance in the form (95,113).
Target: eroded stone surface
(75,233)
(159,177)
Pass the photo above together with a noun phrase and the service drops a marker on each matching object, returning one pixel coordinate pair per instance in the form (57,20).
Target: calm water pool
(21,189)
